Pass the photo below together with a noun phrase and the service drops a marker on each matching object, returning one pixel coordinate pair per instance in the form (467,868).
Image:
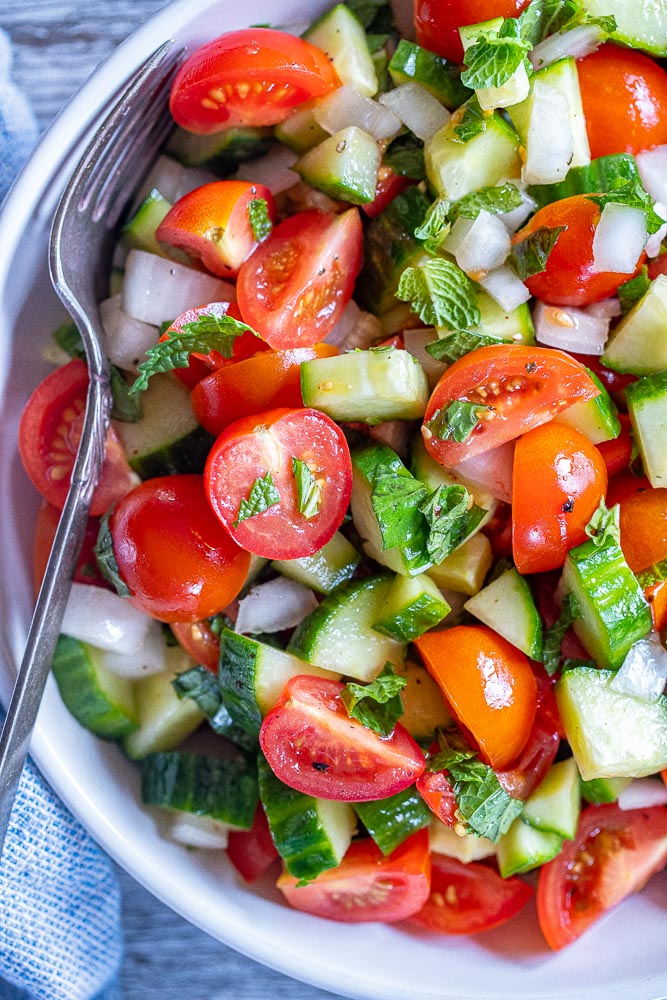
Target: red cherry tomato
(173,554)
(295,286)
(199,641)
(614,854)
(252,852)
(656,266)
(488,685)
(389,185)
(643,522)
(437,24)
(558,482)
(524,774)
(213,224)
(569,278)
(367,885)
(635,87)
(255,76)
(469,898)
(617,453)
(313,745)
(86,570)
(515,389)
(612,381)
(49,435)
(262,449)
(625,484)
(263,382)
(436,790)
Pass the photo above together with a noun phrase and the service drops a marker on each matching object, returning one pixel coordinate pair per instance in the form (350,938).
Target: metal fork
(80,248)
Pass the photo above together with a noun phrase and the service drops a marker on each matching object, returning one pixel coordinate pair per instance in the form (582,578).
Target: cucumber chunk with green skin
(224,789)
(599,791)
(507,606)
(345,166)
(641,24)
(411,63)
(341,37)
(611,610)
(514,327)
(412,606)
(339,634)
(370,386)
(465,569)
(647,407)
(555,804)
(311,835)
(596,418)
(601,174)
(562,77)
(639,343)
(326,569)
(140,230)
(301,131)
(612,735)
(392,820)
(221,152)
(524,848)
(97,698)
(515,89)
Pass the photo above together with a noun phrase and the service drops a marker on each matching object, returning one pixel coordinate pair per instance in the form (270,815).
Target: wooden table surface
(57,44)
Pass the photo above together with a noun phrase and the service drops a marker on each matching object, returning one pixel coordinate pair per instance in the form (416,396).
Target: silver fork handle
(52,599)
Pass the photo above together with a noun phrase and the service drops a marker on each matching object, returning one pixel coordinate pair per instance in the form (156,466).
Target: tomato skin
(617,453)
(266,443)
(254,76)
(643,524)
(295,286)
(313,745)
(389,185)
(487,683)
(48,439)
(252,852)
(612,381)
(525,773)
(569,278)
(199,641)
(550,382)
(212,224)
(614,854)
(437,23)
(263,382)
(635,87)
(558,482)
(436,790)
(367,885)
(469,898)
(175,557)
(87,570)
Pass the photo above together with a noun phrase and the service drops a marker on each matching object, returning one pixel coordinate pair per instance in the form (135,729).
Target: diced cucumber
(301,131)
(601,790)
(339,634)
(412,606)
(555,804)
(639,343)
(221,788)
(466,568)
(456,167)
(647,407)
(392,820)
(612,735)
(596,418)
(612,612)
(252,676)
(424,709)
(507,606)
(342,38)
(167,438)
(470,33)
(370,386)
(311,835)
(140,230)
(326,569)
(523,848)
(515,89)
(514,327)
(222,151)
(411,63)
(641,24)
(465,847)
(97,698)
(344,166)
(601,174)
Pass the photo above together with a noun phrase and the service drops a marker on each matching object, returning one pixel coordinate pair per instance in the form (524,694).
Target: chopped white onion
(549,141)
(397,434)
(652,166)
(273,606)
(492,471)
(172,179)
(415,342)
(355,329)
(345,106)
(156,289)
(609,308)
(643,793)
(191,830)
(150,657)
(128,339)
(654,242)
(504,287)
(578,42)
(516,217)
(274,170)
(570,329)
(643,674)
(417,108)
(620,238)
(102,618)
(479,244)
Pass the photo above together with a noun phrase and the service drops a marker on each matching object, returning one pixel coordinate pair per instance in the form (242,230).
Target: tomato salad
(375,585)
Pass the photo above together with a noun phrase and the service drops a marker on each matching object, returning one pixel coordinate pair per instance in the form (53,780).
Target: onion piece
(156,289)
(505,287)
(654,242)
(549,141)
(479,244)
(355,328)
(492,471)
(516,217)
(417,108)
(192,830)
(151,656)
(652,166)
(643,793)
(274,170)
(570,329)
(128,339)
(415,342)
(620,238)
(173,180)
(346,106)
(102,618)
(643,674)
(578,42)
(273,606)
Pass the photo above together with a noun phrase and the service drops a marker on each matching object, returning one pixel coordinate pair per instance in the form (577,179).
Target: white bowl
(623,957)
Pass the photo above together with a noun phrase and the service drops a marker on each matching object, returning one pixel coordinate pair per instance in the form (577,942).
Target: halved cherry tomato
(258,453)
(525,773)
(436,790)
(252,852)
(488,685)
(254,76)
(558,482)
(656,266)
(213,224)
(86,570)
(514,389)
(173,554)
(263,382)
(635,87)
(367,885)
(200,642)
(296,284)
(569,278)
(437,24)
(49,435)
(313,745)
(389,185)
(469,898)
(614,854)
(617,453)
(643,523)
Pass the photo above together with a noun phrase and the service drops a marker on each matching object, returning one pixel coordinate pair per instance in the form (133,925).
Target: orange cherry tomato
(635,87)
(199,641)
(643,521)
(87,570)
(437,23)
(487,683)
(558,481)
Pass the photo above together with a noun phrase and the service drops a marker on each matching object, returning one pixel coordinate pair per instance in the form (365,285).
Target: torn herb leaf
(259,219)
(493,59)
(553,637)
(308,489)
(377,705)
(455,345)
(263,494)
(395,497)
(496,199)
(530,256)
(447,512)
(457,421)
(440,293)
(604,526)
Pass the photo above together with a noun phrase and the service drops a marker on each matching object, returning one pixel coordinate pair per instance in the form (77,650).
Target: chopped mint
(471,123)
(553,637)
(530,256)
(455,345)
(630,292)
(633,194)
(493,59)
(440,293)
(308,490)
(447,513)
(457,421)
(395,497)
(604,526)
(496,199)
(377,705)
(258,216)
(263,494)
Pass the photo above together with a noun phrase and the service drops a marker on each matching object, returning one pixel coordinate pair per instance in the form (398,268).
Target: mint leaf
(545,17)
(454,345)
(105,557)
(435,227)
(308,490)
(377,705)
(263,494)
(210,332)
(631,193)
(530,256)
(604,526)
(553,637)
(440,293)
(457,421)
(371,13)
(405,156)
(451,515)
(258,217)
(202,686)
(470,123)
(395,498)
(495,199)
(492,60)
(630,292)
(123,406)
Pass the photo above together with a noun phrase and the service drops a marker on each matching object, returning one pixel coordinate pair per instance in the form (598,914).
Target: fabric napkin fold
(59,898)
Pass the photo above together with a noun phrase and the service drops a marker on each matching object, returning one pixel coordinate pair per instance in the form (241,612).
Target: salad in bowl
(373,596)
